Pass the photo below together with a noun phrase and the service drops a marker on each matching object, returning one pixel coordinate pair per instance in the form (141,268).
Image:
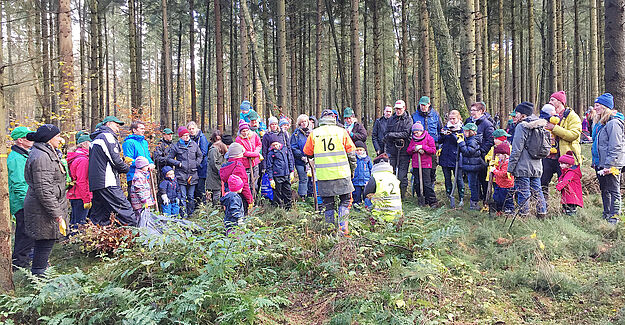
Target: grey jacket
(520,163)
(215,160)
(610,144)
(45,199)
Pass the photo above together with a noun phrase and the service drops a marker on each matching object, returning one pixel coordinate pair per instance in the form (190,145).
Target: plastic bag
(265,187)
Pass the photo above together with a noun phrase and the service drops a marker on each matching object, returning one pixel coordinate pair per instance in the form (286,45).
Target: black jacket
(186,158)
(398,134)
(472,154)
(105,162)
(160,153)
(359,133)
(485,128)
(379,129)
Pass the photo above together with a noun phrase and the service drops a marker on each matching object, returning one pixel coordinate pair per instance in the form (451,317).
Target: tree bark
(82,11)
(45,60)
(166,96)
(245,58)
(234,109)
(205,65)
(531,55)
(487,75)
(377,60)
(66,70)
(219,67)
(467,61)
(592,48)
(446,57)
(292,108)
(404,50)
(282,85)
(96,115)
(577,78)
(341,64)
(614,50)
(479,57)
(425,51)
(514,53)
(132,47)
(192,59)
(501,62)
(178,110)
(318,30)
(355,42)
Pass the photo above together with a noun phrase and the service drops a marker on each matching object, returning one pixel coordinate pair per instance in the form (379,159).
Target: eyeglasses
(476,110)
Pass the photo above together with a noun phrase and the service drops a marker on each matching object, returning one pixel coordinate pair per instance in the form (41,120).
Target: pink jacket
(78,162)
(252,147)
(428,145)
(570,185)
(235,166)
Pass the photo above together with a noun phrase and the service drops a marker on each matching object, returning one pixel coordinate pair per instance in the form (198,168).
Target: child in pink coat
(570,184)
(422,144)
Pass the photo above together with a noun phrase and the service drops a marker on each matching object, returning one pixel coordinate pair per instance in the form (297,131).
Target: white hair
(302,118)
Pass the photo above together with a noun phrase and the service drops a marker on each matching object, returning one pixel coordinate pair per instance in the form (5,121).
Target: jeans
(171,209)
(79,213)
(42,249)
(302,186)
(526,185)
(22,242)
(503,198)
(188,205)
(358,194)
(200,192)
(550,167)
(447,171)
(610,194)
(428,185)
(400,168)
(474,185)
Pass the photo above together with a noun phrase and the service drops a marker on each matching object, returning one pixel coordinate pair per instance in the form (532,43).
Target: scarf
(454,127)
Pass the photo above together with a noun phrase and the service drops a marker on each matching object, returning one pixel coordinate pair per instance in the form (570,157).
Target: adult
(386,201)
(135,145)
(162,149)
(216,158)
(256,125)
(335,162)
(251,142)
(396,141)
(485,128)
(567,134)
(608,157)
(105,165)
(298,141)
(379,129)
(432,123)
(45,205)
(200,139)
(186,157)
(79,195)
(313,122)
(16,162)
(355,130)
(526,170)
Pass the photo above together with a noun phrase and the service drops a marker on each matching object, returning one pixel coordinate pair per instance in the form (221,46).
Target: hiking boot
(474,205)
(541,216)
(329,216)
(435,205)
(613,220)
(461,203)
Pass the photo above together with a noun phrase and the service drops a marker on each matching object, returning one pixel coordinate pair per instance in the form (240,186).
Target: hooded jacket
(608,143)
(358,132)
(170,188)
(161,152)
(16,161)
(215,160)
(449,148)
(234,166)
(377,136)
(568,133)
(186,158)
(252,147)
(472,160)
(298,141)
(105,162)
(428,145)
(362,174)
(79,171)
(431,122)
(202,142)
(279,162)
(135,146)
(140,191)
(521,164)
(570,186)
(398,132)
(485,128)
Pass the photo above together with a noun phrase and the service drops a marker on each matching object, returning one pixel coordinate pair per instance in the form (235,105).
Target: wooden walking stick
(154,191)
(314,180)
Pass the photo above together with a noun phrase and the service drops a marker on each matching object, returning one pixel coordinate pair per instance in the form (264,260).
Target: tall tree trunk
(577,78)
(82,11)
(531,55)
(178,110)
(10,93)
(514,53)
(446,57)
(166,100)
(114,69)
(132,47)
(96,114)
(234,93)
(341,64)
(479,57)
(192,59)
(601,43)
(266,28)
(318,30)
(377,60)
(219,67)
(404,50)
(292,109)
(66,69)
(560,45)
(487,75)
(101,12)
(355,42)
(467,61)
(205,65)
(425,50)
(245,59)
(592,48)
(45,60)
(281,17)
(106,63)
(614,49)
(501,62)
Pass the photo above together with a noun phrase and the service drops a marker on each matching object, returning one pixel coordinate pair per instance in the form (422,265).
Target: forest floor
(440,266)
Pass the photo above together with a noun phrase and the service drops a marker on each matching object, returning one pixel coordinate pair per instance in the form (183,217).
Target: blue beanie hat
(606,100)
(283,121)
(246,105)
(166,170)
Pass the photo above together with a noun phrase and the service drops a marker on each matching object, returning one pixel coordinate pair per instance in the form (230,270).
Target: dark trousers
(188,200)
(358,194)
(474,185)
(433,169)
(400,168)
(111,200)
(79,213)
(345,202)
(503,198)
(200,191)
(447,173)
(22,244)
(282,193)
(550,167)
(128,187)
(610,194)
(482,183)
(428,185)
(41,254)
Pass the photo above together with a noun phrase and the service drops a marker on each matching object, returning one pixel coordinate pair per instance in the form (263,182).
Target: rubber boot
(402,191)
(343,223)
(474,205)
(329,215)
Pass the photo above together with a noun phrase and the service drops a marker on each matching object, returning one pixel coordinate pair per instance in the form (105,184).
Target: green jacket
(16,161)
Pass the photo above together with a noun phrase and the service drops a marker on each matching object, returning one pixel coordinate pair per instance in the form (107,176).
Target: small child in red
(570,184)
(503,180)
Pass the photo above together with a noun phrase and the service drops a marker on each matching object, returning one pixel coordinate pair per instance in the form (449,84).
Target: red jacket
(427,142)
(252,147)
(570,185)
(78,162)
(502,178)
(235,166)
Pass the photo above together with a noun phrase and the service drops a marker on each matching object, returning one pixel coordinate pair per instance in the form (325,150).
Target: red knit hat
(502,148)
(235,183)
(560,95)
(568,158)
(182,131)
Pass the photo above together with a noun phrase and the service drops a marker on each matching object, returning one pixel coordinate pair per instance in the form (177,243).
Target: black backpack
(538,143)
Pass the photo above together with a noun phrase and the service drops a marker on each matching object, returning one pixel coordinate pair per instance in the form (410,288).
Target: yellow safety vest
(330,156)
(387,199)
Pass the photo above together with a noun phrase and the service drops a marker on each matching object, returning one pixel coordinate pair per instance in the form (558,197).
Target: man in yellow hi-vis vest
(335,162)
(384,189)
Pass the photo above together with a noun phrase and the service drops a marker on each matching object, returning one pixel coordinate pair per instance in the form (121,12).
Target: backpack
(541,143)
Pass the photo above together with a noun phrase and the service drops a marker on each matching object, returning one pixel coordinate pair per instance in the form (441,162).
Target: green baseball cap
(470,126)
(112,119)
(424,100)
(348,112)
(20,132)
(83,138)
(513,113)
(168,131)
(253,116)
(500,133)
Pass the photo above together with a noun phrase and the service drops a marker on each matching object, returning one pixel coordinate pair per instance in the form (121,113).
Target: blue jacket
(471,154)
(362,174)
(449,150)
(135,146)
(298,141)
(431,122)
(169,187)
(279,162)
(234,209)
(485,128)
(202,142)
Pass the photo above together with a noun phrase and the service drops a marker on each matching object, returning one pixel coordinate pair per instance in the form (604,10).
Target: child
(472,162)
(449,156)
(383,190)
(569,184)
(234,166)
(422,145)
(169,192)
(548,113)
(499,136)
(140,192)
(233,205)
(362,172)
(279,165)
(503,180)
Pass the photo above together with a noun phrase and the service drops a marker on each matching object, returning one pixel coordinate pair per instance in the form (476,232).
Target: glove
(165,199)
(460,138)
(418,147)
(128,160)
(309,173)
(421,151)
(305,159)
(554,120)
(145,205)
(553,150)
(261,157)
(491,169)
(291,176)
(151,167)
(62,226)
(272,183)
(87,205)
(438,152)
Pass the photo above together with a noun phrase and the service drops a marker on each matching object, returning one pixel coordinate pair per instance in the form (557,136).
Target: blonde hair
(302,118)
(605,117)
(454,112)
